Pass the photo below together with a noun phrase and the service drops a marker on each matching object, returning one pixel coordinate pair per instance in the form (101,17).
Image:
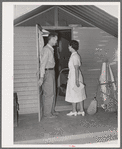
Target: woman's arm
(77,75)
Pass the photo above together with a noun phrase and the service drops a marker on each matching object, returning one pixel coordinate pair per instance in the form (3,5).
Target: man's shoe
(72,114)
(51,116)
(55,113)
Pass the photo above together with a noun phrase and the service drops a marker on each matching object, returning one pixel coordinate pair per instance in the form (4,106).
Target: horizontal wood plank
(27,80)
(24,48)
(27,98)
(28,110)
(18,62)
(28,102)
(24,89)
(28,66)
(26,43)
(24,38)
(26,93)
(18,85)
(22,76)
(32,71)
(25,58)
(25,53)
(31,105)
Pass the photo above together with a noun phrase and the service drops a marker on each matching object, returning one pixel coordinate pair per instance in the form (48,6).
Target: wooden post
(38,88)
(56,16)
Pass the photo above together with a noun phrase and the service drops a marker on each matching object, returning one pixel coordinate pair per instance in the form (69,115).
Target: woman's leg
(73,112)
(81,106)
(81,112)
(73,107)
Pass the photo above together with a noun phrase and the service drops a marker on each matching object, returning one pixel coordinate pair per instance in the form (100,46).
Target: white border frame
(7,71)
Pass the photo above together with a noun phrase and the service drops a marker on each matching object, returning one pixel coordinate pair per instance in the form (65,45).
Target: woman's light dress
(74,94)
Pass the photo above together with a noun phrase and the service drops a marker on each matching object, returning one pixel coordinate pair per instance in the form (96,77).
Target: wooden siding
(25,68)
(25,63)
(90,39)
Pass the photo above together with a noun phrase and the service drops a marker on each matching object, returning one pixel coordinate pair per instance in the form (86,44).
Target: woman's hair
(52,34)
(74,44)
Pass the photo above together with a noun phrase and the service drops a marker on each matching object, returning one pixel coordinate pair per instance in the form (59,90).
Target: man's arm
(44,60)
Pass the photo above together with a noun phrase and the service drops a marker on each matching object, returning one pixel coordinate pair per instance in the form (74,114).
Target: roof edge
(32,13)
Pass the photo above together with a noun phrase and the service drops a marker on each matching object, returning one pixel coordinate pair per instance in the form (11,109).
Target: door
(40,44)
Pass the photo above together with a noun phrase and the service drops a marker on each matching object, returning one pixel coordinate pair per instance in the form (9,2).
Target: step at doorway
(62,105)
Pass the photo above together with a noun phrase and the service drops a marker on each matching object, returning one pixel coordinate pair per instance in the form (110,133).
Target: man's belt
(49,68)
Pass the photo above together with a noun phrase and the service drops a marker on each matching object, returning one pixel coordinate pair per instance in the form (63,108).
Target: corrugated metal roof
(70,18)
(95,16)
(87,15)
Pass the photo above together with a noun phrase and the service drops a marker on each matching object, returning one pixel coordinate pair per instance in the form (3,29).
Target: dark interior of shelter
(61,54)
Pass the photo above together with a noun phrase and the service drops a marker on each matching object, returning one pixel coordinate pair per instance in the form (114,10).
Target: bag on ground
(92,109)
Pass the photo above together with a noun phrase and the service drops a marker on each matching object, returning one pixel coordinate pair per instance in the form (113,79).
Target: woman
(75,92)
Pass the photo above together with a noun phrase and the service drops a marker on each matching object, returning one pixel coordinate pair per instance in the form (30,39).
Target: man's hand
(37,74)
(41,81)
(77,83)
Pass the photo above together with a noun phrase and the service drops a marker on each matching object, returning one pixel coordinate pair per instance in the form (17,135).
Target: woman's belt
(49,68)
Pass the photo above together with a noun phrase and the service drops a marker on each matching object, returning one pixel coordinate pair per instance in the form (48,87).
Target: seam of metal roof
(76,16)
(88,16)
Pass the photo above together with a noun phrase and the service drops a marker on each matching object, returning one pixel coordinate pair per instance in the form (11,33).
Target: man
(47,76)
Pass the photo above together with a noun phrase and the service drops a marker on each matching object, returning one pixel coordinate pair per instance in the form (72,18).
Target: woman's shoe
(72,114)
(81,113)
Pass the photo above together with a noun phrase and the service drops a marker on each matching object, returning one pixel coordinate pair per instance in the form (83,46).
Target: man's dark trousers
(49,93)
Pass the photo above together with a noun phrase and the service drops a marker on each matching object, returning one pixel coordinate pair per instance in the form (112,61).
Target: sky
(20,10)
(112,10)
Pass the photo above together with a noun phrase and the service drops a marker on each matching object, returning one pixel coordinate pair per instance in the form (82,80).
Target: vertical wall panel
(90,39)
(25,68)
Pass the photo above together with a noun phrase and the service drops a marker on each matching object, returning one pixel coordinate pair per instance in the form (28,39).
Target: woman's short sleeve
(76,60)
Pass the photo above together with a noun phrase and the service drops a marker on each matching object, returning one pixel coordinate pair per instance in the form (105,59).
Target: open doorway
(61,55)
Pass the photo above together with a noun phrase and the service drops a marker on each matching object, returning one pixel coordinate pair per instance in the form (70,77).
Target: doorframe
(56,27)
(37,40)
(39,90)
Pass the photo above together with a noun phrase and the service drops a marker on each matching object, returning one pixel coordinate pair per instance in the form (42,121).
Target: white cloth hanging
(112,77)
(102,80)
(41,44)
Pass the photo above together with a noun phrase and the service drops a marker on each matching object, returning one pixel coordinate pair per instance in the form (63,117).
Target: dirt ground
(78,128)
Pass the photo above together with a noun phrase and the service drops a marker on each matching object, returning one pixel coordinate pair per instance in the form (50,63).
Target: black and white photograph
(62,63)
